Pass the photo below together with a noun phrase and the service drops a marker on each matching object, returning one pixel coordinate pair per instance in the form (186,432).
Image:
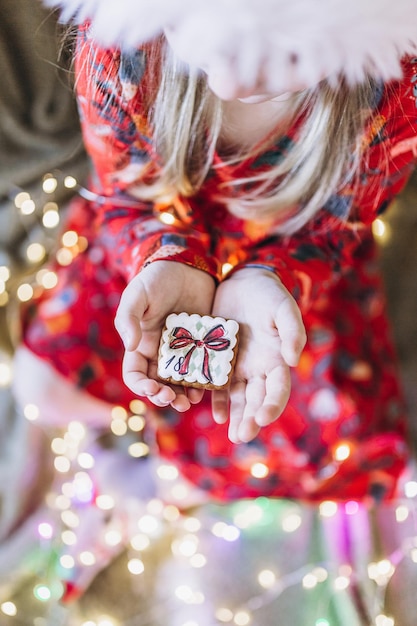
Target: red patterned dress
(342,435)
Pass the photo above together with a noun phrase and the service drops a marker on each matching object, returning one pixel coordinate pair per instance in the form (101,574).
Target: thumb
(130,312)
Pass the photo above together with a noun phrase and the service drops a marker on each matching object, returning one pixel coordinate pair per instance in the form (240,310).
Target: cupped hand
(272,337)
(161,288)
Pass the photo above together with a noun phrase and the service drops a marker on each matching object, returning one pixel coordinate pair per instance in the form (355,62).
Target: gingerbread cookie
(198,351)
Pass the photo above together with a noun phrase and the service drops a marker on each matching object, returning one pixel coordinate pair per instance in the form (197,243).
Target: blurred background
(84,539)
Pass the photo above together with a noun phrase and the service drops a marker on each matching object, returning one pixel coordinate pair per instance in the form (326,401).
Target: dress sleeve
(112,89)
(310,260)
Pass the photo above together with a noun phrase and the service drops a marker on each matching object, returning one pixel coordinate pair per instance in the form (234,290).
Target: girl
(239,160)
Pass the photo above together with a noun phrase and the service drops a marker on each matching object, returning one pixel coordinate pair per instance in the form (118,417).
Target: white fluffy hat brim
(298,41)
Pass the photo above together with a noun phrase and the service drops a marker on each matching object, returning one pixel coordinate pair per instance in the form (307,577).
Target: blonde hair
(186,122)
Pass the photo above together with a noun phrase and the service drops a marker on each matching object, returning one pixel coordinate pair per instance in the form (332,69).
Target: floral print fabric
(342,435)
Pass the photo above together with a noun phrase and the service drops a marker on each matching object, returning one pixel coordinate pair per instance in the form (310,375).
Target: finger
(237,407)
(255,394)
(181,402)
(129,315)
(220,405)
(291,330)
(277,387)
(195,395)
(134,371)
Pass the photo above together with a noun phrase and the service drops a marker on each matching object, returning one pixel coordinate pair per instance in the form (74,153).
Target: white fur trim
(291,41)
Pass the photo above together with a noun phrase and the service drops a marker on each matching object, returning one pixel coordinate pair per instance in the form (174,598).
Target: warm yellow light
(341,583)
(167,472)
(309,581)
(198,560)
(136,423)
(118,427)
(104,620)
(252,514)
(118,413)
(113,537)
(155,506)
(35,252)
(58,445)
(9,609)
(167,218)
(24,292)
(135,566)
(259,470)
(62,503)
(140,542)
(50,219)
(20,198)
(87,558)
(85,460)
(188,545)
(267,578)
(138,449)
(138,407)
(148,524)
(401,513)
(320,573)
(291,522)
(69,538)
(342,452)
(328,508)
(27,207)
(384,620)
(31,412)
(242,618)
(5,374)
(192,524)
(184,592)
(70,182)
(67,561)
(410,489)
(105,502)
(226,268)
(48,280)
(69,238)
(179,492)
(224,615)
(76,430)
(64,256)
(4,273)
(62,464)
(171,513)
(378,227)
(49,184)
(70,519)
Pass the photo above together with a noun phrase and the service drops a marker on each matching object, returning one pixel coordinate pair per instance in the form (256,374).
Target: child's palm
(271,338)
(162,288)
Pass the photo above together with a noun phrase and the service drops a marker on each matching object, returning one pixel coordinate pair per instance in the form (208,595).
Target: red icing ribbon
(213,340)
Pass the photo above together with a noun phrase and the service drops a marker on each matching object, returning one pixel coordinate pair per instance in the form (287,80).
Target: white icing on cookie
(197,350)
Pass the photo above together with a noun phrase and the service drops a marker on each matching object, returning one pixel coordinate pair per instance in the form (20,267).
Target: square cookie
(198,351)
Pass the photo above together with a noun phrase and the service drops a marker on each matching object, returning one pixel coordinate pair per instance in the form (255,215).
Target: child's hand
(272,337)
(161,288)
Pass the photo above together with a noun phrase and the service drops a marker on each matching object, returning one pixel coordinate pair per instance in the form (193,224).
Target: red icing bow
(213,340)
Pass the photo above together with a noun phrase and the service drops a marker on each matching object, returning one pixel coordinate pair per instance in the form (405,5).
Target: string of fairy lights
(85,523)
